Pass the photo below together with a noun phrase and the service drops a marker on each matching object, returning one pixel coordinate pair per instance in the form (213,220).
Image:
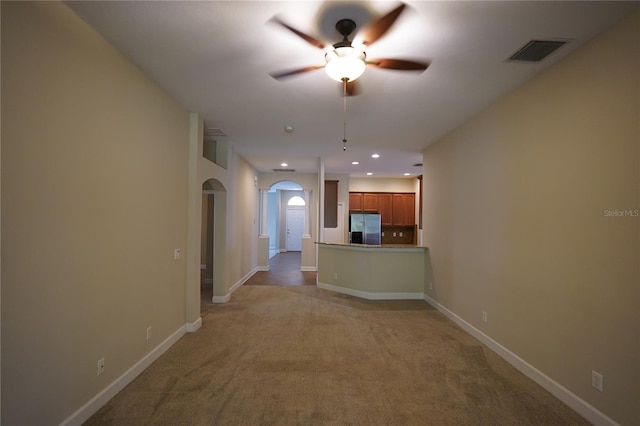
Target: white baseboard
(308,268)
(227,297)
(244,279)
(371,296)
(262,268)
(192,327)
(90,408)
(221,299)
(579,405)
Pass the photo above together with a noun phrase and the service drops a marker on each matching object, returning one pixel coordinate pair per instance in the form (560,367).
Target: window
(295,201)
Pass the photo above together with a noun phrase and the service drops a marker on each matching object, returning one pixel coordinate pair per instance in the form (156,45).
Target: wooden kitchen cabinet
(370,202)
(385,209)
(395,209)
(409,201)
(355,201)
(397,206)
(403,206)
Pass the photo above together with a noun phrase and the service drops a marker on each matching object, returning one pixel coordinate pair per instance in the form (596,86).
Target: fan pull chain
(344,106)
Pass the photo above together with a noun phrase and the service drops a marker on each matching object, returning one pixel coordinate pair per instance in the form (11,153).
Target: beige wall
(516,221)
(243,220)
(94,175)
(382,184)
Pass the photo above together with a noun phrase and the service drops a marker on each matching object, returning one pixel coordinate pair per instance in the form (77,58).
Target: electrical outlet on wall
(597,380)
(484,316)
(100,367)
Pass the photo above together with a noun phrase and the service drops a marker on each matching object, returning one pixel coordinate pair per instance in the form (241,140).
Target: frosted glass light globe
(345,62)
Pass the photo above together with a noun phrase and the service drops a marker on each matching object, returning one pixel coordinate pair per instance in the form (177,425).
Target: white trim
(372,296)
(221,299)
(578,404)
(308,268)
(83,413)
(227,297)
(244,279)
(194,326)
(263,268)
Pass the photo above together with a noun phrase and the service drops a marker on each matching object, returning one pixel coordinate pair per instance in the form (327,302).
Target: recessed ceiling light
(355,163)
(289,129)
(369,173)
(407,174)
(375,156)
(283,164)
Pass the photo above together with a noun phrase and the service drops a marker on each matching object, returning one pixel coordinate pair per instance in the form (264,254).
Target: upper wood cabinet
(409,201)
(395,209)
(370,202)
(355,201)
(398,210)
(385,209)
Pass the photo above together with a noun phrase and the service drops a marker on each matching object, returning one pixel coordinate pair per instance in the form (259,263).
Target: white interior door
(295,228)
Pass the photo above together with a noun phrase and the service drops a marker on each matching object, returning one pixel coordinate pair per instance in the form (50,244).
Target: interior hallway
(284,269)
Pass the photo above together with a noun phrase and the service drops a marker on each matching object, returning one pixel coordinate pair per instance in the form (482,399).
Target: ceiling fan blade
(305,37)
(284,74)
(372,32)
(398,64)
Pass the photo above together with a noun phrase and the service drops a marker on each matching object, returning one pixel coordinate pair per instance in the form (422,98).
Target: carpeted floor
(300,355)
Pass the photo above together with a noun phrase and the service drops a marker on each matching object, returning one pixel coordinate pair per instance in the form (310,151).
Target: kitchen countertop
(369,246)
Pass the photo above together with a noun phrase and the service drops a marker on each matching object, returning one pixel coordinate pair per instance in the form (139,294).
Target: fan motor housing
(345,27)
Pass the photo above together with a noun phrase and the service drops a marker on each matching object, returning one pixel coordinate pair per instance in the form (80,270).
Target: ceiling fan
(346,60)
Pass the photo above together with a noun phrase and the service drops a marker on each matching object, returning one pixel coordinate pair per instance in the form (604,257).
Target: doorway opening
(285,225)
(212,240)
(206,243)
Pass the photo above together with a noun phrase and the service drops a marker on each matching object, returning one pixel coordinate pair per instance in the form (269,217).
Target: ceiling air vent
(214,132)
(536,50)
(284,170)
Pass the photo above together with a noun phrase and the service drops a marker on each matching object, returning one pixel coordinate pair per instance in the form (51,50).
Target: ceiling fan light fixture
(345,62)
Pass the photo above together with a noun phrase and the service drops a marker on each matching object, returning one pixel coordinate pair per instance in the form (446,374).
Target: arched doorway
(212,242)
(285,223)
(286,215)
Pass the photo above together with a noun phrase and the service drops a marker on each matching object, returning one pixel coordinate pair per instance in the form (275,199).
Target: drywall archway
(201,170)
(307,184)
(278,198)
(213,238)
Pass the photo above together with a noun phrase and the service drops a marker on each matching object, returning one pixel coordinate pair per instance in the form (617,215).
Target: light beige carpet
(307,356)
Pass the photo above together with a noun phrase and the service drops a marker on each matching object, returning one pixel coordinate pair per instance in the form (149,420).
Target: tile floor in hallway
(284,269)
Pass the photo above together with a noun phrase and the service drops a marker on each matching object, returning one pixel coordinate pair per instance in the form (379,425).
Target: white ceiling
(215,58)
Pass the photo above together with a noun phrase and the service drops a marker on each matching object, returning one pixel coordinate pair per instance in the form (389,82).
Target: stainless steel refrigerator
(365,228)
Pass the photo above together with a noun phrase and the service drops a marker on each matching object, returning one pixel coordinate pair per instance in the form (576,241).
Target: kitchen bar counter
(373,271)
(382,246)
